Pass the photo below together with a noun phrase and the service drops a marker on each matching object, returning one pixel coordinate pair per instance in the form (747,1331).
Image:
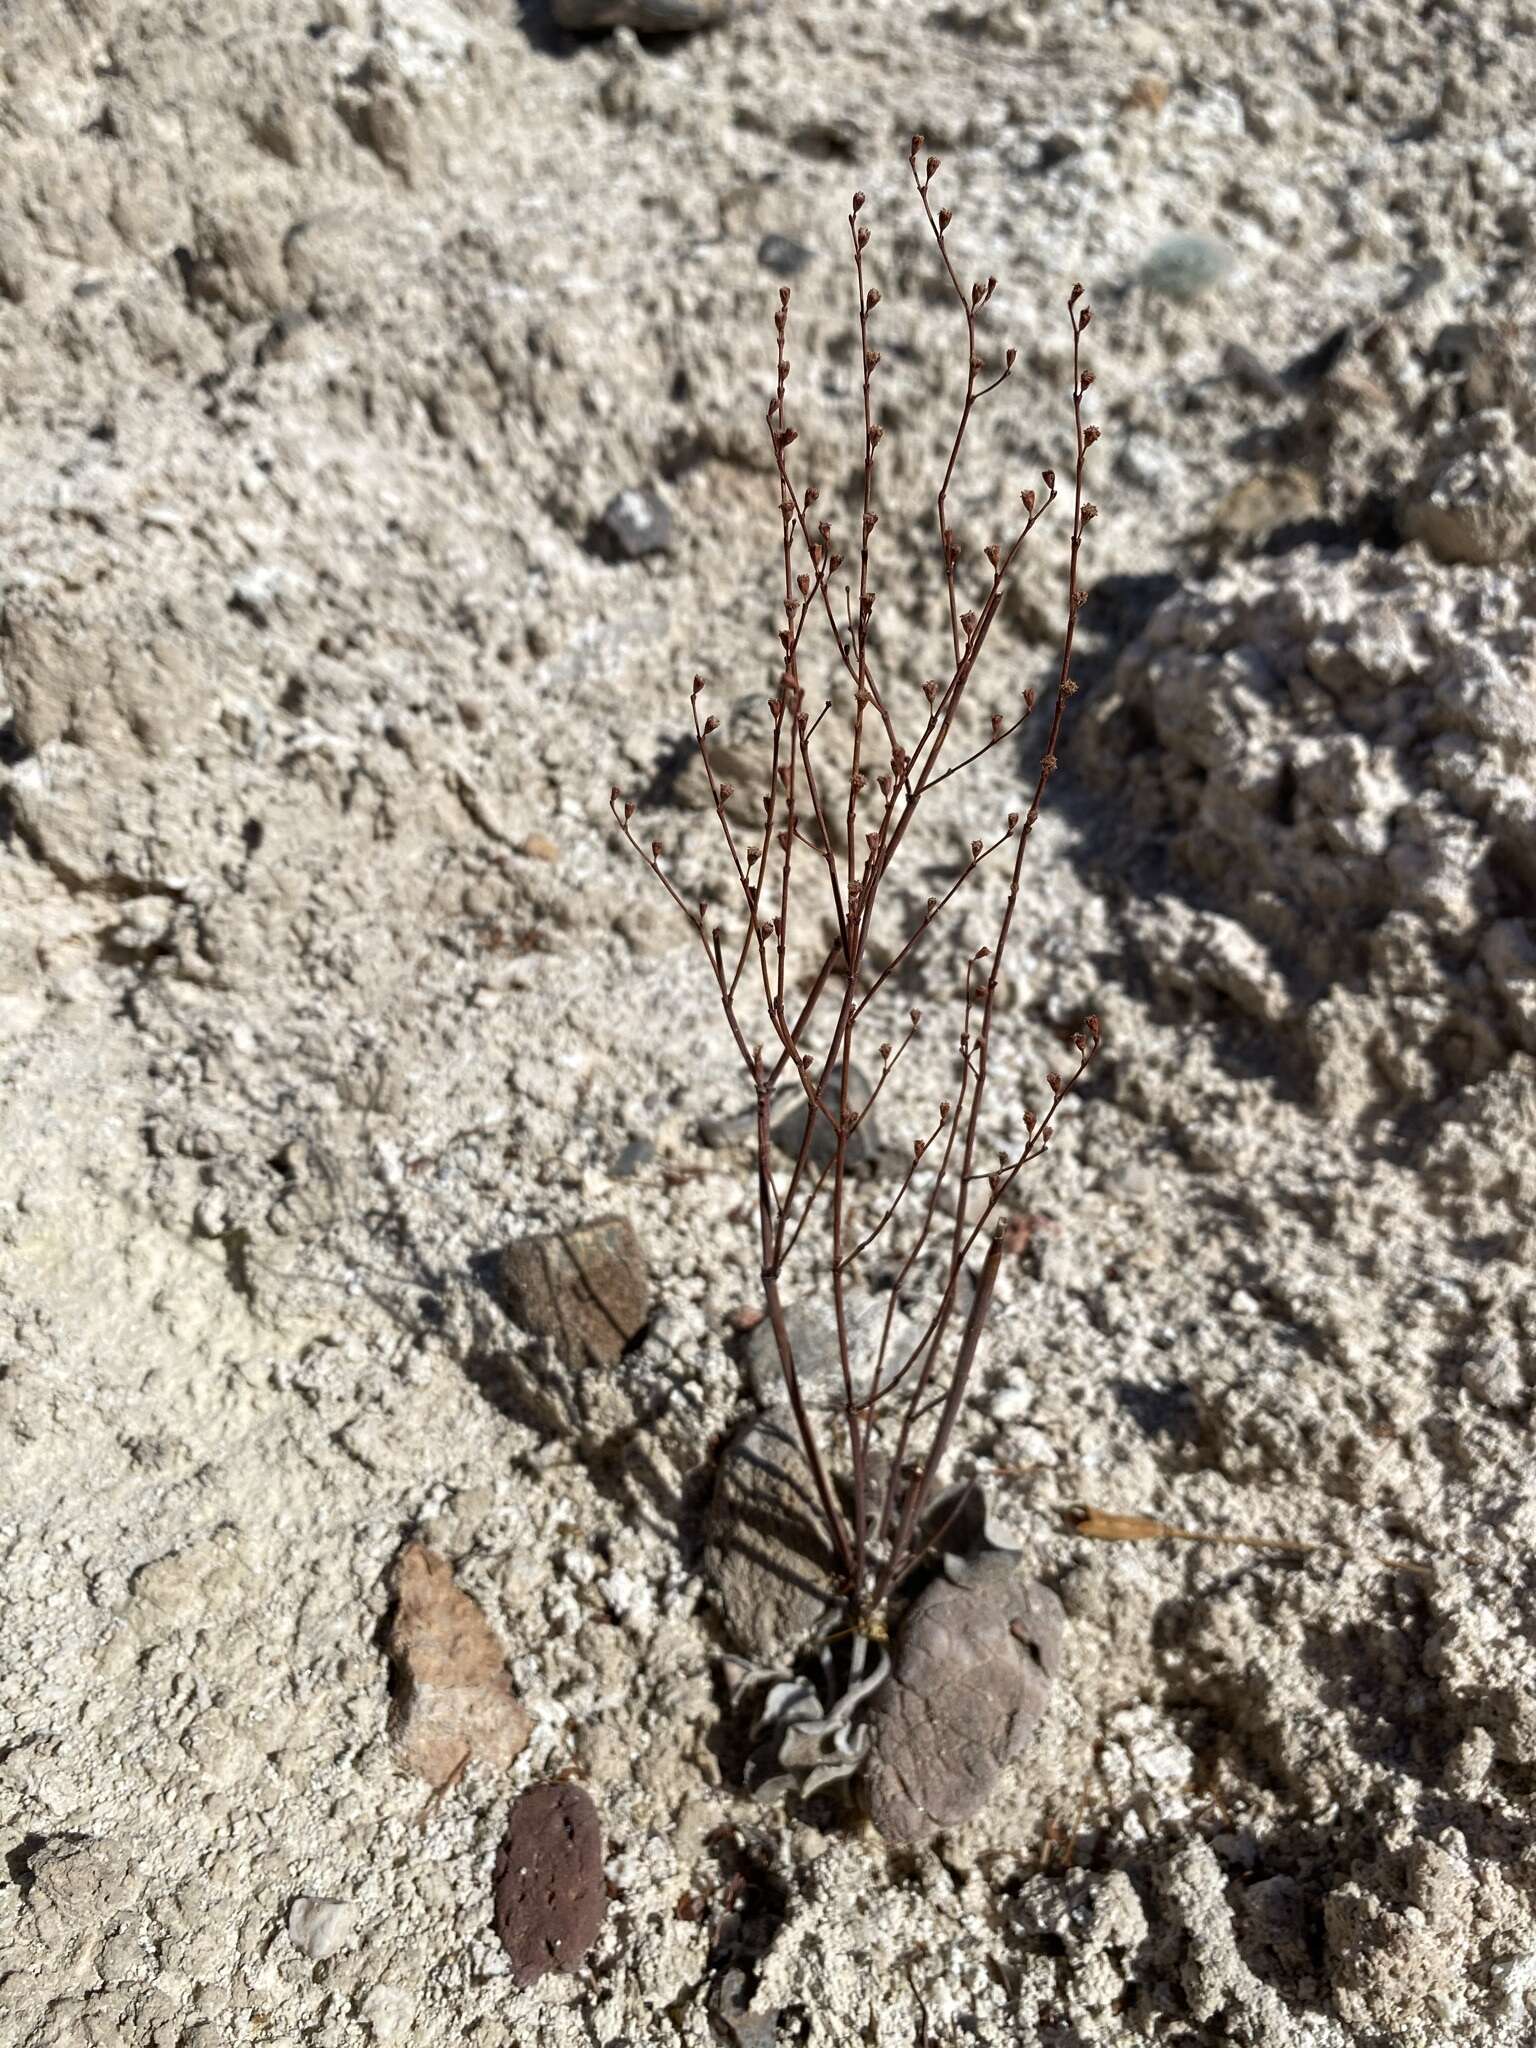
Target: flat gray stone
(789,1131)
(647,17)
(765,1552)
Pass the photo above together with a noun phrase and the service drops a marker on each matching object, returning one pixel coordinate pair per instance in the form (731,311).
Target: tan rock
(453,1699)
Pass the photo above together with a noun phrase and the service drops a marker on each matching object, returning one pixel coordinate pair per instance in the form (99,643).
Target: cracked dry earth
(327,335)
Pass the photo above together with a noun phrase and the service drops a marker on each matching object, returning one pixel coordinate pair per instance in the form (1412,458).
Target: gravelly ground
(325,340)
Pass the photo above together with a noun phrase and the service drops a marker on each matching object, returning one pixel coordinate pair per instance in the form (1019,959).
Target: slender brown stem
(837,802)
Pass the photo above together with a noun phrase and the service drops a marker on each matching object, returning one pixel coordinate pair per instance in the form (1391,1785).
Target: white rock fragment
(321,1927)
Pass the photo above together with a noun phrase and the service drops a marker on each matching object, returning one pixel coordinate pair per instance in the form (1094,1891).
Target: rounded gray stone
(972,1673)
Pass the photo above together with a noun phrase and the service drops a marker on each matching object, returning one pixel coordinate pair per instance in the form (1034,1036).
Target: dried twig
(1108,1527)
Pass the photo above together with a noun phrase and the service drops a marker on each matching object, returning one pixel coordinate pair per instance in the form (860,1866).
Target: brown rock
(453,1699)
(1261,505)
(548,1891)
(587,1289)
(1148,94)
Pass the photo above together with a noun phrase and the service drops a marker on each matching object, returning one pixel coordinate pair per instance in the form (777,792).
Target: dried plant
(837,802)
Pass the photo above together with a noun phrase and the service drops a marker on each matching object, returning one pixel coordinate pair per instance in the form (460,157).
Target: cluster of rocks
(1415,425)
(972,1657)
(976,1649)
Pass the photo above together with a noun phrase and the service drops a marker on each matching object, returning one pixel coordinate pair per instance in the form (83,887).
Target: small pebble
(1184,267)
(321,1926)
(784,256)
(637,523)
(1013,1404)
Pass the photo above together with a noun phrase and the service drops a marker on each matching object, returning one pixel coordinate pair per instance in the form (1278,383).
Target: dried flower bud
(871,300)
(863,238)
(978,292)
(997,725)
(803,585)
(1048,477)
(1029,701)
(1013,821)
(711,724)
(975,849)
(1090,512)
(991,286)
(871,358)
(968,621)
(629,812)
(933,904)
(1080,1044)
(784,298)
(727,791)
(916,150)
(1094,1028)
(1090,435)
(919,1147)
(932,165)
(1010,357)
(871,521)
(885,1051)
(1053,1082)
(1029,1119)
(1074,295)
(1085,382)
(655,849)
(1069,686)
(1084,317)
(982,953)
(786,436)
(916,1016)
(946,215)
(1028,500)
(930,691)
(811,494)
(876,436)
(992,552)
(858,201)
(834,563)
